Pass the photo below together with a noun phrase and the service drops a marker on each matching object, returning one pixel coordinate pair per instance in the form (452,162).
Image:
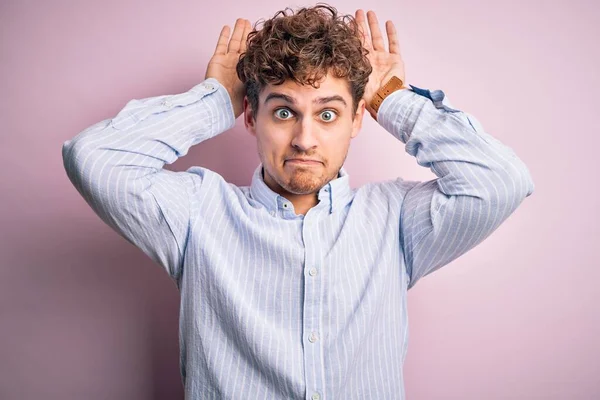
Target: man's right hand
(222,65)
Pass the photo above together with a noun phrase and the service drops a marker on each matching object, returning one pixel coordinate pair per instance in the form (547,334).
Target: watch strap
(391,86)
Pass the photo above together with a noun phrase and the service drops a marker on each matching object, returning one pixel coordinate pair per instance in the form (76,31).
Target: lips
(303,161)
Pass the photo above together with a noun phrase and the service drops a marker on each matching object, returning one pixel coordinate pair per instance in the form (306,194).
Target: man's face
(298,122)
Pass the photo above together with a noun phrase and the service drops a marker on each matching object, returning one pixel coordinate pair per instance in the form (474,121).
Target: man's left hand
(385,63)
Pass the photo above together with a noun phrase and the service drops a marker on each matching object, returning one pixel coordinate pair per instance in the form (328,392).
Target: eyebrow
(291,100)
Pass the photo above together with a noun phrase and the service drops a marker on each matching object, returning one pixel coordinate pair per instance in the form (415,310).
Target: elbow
(522,182)
(78,155)
(73,154)
(77,151)
(528,179)
(529,186)
(514,183)
(70,156)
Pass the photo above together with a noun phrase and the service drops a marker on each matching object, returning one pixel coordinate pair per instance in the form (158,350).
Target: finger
(364,29)
(378,43)
(247,29)
(392,37)
(236,37)
(223,39)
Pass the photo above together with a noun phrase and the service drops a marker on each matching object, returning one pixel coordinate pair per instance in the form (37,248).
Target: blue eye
(283,113)
(328,116)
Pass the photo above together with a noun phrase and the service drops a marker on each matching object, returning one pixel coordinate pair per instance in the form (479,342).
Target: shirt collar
(336,194)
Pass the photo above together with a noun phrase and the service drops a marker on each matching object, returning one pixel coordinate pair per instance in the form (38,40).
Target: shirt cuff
(438,97)
(222,108)
(216,109)
(407,99)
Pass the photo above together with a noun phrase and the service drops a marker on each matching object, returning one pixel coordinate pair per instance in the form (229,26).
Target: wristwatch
(391,86)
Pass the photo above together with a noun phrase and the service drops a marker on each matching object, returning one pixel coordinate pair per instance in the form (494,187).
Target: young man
(295,287)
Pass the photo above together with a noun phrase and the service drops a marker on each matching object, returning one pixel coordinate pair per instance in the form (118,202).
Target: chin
(305,182)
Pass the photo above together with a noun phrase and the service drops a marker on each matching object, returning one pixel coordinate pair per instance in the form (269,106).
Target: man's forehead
(329,89)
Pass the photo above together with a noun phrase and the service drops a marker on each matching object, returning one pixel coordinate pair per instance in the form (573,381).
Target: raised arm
(117,164)
(480,181)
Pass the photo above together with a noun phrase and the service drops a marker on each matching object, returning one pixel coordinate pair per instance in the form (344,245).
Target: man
(295,286)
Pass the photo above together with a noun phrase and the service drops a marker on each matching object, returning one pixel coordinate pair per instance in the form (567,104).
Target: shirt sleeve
(117,166)
(480,181)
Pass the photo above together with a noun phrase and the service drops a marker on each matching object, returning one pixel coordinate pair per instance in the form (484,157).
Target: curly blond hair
(304,46)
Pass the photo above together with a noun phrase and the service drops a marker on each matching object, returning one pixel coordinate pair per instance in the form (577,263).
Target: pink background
(85,315)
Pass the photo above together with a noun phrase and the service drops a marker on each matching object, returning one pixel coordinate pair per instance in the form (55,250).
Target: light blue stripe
(242,261)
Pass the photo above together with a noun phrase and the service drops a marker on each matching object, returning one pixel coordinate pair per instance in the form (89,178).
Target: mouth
(303,162)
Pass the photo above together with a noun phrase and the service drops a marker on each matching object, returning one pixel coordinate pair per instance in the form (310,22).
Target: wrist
(392,85)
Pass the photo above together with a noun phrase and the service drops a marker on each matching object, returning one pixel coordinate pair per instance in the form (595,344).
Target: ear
(358,118)
(249,120)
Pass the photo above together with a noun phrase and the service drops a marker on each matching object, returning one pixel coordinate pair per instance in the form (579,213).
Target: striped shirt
(276,305)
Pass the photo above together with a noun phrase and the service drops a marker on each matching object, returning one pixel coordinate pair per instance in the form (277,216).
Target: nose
(305,137)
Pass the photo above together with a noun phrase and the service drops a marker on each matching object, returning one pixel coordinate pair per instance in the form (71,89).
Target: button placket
(313,288)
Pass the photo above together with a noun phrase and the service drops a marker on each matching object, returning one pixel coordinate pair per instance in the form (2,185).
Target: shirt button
(209,86)
(167,103)
(315,396)
(273,213)
(312,272)
(313,337)
(285,205)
